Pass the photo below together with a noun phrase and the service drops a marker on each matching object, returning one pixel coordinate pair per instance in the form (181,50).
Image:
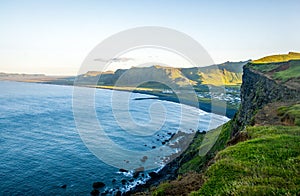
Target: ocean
(42,149)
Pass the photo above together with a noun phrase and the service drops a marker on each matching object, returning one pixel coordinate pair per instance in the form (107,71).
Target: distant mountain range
(228,73)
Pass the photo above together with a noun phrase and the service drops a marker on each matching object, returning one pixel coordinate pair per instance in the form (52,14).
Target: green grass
(204,148)
(160,191)
(292,72)
(267,164)
(290,112)
(278,58)
(212,142)
(265,67)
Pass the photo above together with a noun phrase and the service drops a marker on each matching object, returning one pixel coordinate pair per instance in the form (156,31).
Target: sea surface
(41,148)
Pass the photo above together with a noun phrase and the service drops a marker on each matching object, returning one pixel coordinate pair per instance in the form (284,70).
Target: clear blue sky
(53,37)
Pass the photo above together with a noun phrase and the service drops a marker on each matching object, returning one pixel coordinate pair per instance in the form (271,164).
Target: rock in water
(153,175)
(123,181)
(63,186)
(95,192)
(119,193)
(123,170)
(97,185)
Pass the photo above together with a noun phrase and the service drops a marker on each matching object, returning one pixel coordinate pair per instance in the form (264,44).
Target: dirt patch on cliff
(182,186)
(269,115)
(239,137)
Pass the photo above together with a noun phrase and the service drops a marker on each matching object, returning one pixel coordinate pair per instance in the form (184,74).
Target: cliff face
(259,89)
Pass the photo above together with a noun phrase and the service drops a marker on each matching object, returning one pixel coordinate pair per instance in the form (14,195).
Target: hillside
(278,58)
(229,73)
(256,153)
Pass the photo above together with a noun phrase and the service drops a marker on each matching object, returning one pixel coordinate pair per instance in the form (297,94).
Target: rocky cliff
(260,88)
(258,151)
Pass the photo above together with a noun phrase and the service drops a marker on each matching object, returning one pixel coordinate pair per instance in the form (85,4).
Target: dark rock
(153,175)
(202,132)
(113,180)
(139,169)
(95,192)
(63,186)
(128,193)
(144,159)
(118,193)
(136,174)
(131,180)
(123,170)
(97,185)
(153,147)
(163,143)
(123,181)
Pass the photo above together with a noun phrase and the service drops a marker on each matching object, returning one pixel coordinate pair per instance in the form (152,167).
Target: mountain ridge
(228,73)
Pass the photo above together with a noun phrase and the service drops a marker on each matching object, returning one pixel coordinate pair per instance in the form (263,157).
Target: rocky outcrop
(257,91)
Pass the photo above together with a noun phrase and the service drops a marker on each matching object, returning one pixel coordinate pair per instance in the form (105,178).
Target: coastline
(168,171)
(205,106)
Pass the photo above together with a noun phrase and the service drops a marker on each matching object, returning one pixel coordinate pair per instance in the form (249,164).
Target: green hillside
(229,73)
(266,164)
(281,71)
(278,58)
(256,153)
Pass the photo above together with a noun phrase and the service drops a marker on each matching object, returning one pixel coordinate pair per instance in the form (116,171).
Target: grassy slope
(291,112)
(278,58)
(198,162)
(292,72)
(267,164)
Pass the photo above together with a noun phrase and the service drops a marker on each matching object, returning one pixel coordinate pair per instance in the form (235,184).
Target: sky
(54,37)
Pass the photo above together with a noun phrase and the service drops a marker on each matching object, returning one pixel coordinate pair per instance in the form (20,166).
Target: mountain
(229,73)
(255,153)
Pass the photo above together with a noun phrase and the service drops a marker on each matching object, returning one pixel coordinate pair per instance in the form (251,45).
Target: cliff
(261,87)
(257,152)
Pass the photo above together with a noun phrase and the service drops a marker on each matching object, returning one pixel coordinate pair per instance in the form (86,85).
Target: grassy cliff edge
(258,151)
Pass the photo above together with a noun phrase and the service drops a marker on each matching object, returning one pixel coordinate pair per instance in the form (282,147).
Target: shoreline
(205,106)
(229,113)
